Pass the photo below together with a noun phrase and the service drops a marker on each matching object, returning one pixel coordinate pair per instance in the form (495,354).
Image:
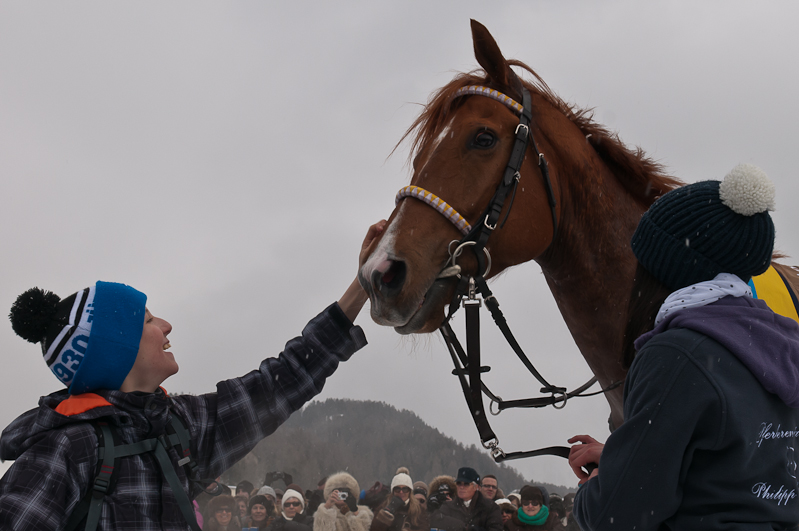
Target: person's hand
(370,238)
(352,504)
(394,505)
(588,451)
(332,500)
(355,297)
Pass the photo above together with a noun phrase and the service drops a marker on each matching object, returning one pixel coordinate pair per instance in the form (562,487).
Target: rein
(468,363)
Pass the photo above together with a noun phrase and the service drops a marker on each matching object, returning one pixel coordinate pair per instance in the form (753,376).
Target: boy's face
(154,363)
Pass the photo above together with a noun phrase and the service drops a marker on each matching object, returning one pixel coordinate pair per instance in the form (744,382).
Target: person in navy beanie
(711,399)
(112,450)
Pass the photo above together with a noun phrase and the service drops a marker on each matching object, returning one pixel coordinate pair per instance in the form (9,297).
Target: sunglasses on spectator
(462,483)
(224,510)
(529,502)
(292,504)
(506,511)
(402,489)
(490,487)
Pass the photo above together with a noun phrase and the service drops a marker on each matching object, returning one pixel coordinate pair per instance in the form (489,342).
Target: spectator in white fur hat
(341,511)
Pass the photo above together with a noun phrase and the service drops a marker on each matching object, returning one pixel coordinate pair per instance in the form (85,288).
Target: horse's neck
(589,269)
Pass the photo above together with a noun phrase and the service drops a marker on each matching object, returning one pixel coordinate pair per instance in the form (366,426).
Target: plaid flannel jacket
(56,455)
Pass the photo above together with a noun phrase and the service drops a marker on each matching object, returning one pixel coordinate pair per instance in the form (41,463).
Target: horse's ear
(489,56)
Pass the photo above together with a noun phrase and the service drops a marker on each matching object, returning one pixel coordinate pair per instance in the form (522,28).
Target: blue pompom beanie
(90,339)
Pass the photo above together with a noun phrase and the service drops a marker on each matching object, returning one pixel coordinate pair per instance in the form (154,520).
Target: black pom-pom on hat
(32,314)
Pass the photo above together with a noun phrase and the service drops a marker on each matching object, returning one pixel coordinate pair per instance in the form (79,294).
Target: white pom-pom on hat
(747,190)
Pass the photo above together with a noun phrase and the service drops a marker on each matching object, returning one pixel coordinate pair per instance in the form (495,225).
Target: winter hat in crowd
(341,480)
(291,493)
(468,475)
(402,479)
(222,502)
(260,499)
(293,486)
(90,339)
(533,494)
(266,490)
(695,232)
(443,484)
(420,487)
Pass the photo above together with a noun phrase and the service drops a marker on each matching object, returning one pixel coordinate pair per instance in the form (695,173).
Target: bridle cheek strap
(467,364)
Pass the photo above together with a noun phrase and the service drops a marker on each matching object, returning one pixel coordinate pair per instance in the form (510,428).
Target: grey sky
(227,158)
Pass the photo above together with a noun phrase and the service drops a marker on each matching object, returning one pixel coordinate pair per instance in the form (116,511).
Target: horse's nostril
(393,278)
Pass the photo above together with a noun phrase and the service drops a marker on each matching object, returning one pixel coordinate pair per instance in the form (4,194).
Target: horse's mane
(643,177)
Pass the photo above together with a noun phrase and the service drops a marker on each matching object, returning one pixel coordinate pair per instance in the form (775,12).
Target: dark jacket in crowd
(482,514)
(301,522)
(385,521)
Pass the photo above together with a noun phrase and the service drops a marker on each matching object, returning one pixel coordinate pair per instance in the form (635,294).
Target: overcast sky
(227,158)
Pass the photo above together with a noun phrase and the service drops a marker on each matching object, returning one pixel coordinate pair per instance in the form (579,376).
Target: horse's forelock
(432,119)
(643,177)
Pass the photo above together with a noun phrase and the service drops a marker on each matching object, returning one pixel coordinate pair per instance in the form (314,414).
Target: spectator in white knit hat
(293,517)
(401,510)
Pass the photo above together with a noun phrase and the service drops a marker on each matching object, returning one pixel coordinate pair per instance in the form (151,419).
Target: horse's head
(462,145)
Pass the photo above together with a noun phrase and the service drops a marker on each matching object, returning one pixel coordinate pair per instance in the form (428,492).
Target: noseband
(476,237)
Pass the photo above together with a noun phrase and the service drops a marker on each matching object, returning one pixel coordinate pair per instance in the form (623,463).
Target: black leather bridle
(468,363)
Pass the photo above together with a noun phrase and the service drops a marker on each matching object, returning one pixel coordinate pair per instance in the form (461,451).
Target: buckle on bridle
(492,445)
(453,257)
(526,129)
(471,295)
(559,392)
(491,406)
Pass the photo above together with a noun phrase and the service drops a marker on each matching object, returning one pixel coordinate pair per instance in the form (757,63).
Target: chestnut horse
(461,144)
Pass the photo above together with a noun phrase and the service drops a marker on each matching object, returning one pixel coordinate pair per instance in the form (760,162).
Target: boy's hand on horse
(586,453)
(355,297)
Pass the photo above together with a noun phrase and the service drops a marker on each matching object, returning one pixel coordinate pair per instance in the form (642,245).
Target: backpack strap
(184,503)
(180,440)
(91,506)
(110,451)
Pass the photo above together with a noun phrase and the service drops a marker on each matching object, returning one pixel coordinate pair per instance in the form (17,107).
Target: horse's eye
(484,140)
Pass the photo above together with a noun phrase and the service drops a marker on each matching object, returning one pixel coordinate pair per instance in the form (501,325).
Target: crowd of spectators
(463,502)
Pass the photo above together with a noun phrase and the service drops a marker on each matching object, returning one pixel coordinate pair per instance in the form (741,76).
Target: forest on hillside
(370,440)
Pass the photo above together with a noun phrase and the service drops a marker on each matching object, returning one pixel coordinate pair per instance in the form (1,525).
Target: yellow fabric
(770,288)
